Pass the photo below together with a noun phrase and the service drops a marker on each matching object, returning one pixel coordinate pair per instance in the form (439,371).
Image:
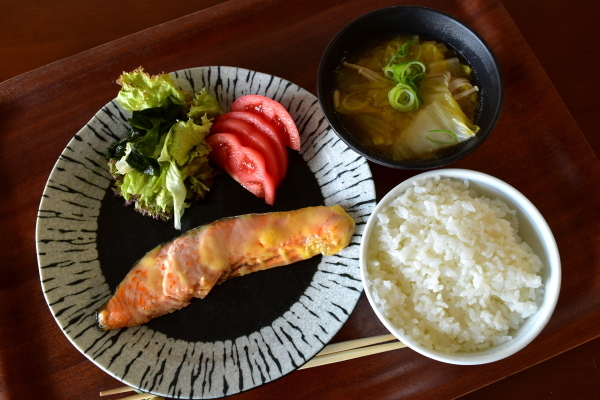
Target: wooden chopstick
(350,354)
(330,354)
(117,390)
(125,389)
(353,344)
(140,396)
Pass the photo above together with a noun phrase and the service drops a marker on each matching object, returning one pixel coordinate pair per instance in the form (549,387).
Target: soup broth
(407,98)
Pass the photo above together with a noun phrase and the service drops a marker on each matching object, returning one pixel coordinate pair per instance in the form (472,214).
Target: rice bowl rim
(551,272)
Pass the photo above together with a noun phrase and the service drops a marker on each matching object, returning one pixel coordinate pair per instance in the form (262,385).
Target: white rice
(447,267)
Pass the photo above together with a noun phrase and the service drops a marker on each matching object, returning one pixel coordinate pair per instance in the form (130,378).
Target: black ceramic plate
(247,331)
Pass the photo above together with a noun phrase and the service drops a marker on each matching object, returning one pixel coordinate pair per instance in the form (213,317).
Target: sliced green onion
(405,52)
(403,97)
(419,47)
(388,72)
(412,71)
(449,133)
(408,76)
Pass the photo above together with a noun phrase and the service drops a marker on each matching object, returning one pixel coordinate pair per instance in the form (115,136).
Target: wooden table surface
(36,359)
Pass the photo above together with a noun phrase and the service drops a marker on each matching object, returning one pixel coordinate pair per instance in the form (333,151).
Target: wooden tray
(536,147)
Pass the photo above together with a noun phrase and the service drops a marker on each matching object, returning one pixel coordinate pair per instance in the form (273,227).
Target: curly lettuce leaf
(182,139)
(139,91)
(160,196)
(204,105)
(184,143)
(185,174)
(199,175)
(148,192)
(176,187)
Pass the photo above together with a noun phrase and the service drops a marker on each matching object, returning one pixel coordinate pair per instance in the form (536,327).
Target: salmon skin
(189,266)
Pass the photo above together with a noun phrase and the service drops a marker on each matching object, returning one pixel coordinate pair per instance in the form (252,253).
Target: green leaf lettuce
(162,164)
(204,105)
(139,91)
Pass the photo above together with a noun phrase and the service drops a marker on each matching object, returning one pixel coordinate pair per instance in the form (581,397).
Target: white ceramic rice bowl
(533,229)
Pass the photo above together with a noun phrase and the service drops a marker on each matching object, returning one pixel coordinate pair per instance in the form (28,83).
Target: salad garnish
(162,163)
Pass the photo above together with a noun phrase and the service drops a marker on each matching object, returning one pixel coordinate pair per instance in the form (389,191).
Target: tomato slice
(264,125)
(273,111)
(271,149)
(244,164)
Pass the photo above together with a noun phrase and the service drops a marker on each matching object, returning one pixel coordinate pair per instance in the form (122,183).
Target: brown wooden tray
(536,147)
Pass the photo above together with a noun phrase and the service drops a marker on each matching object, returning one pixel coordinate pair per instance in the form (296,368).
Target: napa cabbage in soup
(407,98)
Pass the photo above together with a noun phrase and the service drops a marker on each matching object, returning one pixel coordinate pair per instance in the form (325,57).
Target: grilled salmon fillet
(189,266)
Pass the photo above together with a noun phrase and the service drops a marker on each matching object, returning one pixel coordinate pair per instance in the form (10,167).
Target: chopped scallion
(408,76)
(449,133)
(404,97)
(405,52)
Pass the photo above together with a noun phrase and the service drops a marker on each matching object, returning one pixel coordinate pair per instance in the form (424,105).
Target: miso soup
(407,98)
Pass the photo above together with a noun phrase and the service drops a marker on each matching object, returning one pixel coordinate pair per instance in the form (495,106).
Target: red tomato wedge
(272,111)
(271,149)
(264,125)
(244,164)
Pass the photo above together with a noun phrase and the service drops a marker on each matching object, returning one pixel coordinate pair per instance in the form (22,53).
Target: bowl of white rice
(460,266)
